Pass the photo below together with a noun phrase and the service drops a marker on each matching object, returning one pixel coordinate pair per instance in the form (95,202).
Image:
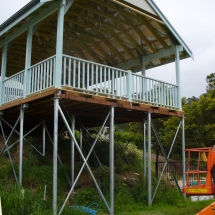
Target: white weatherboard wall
(142,5)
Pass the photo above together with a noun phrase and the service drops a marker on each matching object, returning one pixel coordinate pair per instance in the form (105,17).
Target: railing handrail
(98,64)
(8,78)
(153,79)
(42,62)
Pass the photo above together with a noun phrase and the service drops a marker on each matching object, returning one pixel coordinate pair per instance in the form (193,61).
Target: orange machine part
(208,188)
(209,210)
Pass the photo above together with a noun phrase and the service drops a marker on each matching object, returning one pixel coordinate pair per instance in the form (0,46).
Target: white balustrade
(91,77)
(41,75)
(13,87)
(95,78)
(154,92)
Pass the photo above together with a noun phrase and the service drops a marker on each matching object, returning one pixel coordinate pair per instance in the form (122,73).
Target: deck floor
(90,110)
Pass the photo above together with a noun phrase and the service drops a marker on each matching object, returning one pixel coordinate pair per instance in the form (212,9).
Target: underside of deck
(89,109)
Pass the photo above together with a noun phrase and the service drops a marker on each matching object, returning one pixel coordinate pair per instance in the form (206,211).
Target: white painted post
(178,49)
(59,46)
(144,81)
(129,85)
(27,61)
(3,72)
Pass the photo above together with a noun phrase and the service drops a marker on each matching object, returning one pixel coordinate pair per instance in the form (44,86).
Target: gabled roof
(112,32)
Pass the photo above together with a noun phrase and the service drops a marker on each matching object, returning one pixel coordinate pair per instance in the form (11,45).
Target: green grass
(130,195)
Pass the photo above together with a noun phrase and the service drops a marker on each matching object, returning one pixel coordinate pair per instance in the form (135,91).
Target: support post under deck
(72,151)
(183,153)
(111,141)
(149,162)
(144,148)
(22,109)
(55,154)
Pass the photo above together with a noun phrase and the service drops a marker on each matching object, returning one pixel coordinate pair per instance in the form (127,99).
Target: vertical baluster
(54,66)
(48,74)
(79,73)
(88,81)
(156,92)
(150,91)
(31,70)
(64,70)
(112,82)
(74,73)
(96,78)
(19,85)
(125,85)
(83,76)
(44,75)
(35,80)
(109,82)
(105,79)
(69,75)
(100,74)
(116,89)
(92,76)
(41,76)
(51,72)
(159,95)
(170,95)
(120,84)
(136,87)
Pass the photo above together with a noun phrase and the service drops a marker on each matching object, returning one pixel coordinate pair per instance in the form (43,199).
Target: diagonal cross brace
(170,150)
(85,162)
(91,145)
(6,146)
(164,154)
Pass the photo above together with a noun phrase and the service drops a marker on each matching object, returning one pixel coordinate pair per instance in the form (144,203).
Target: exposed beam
(147,58)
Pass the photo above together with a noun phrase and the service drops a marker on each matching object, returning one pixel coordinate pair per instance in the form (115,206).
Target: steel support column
(3,72)
(55,154)
(144,148)
(111,151)
(183,153)
(149,161)
(72,151)
(22,109)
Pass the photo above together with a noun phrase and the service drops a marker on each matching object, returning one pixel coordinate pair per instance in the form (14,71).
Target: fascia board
(20,18)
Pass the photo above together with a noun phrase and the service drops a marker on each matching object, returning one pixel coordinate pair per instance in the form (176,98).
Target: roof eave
(168,24)
(20,15)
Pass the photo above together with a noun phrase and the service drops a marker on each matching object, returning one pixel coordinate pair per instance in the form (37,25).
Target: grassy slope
(130,195)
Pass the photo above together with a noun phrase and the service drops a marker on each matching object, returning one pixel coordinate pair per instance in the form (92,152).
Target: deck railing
(91,77)
(154,92)
(94,78)
(41,75)
(13,87)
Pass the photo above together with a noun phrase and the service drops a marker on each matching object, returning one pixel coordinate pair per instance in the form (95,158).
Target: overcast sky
(193,20)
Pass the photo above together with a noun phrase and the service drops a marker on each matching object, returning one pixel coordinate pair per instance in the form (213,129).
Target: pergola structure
(92,55)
